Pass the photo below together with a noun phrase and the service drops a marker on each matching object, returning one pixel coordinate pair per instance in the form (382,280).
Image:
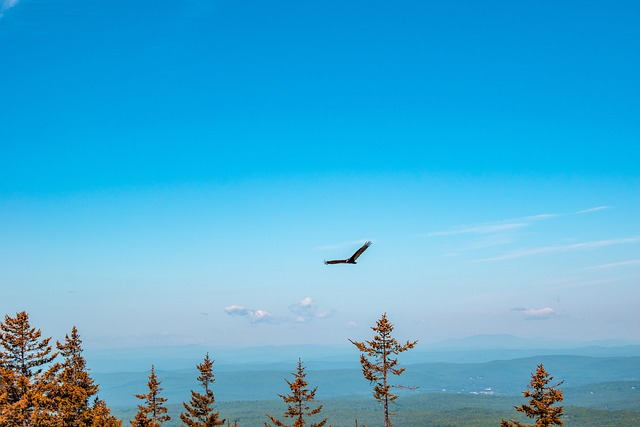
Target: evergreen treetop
(25,394)
(378,364)
(22,350)
(199,412)
(542,397)
(153,412)
(298,407)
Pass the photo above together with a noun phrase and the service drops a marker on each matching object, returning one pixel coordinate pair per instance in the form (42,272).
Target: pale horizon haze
(177,172)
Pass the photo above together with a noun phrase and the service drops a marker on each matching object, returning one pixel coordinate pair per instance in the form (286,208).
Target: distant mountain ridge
(507,341)
(474,349)
(499,377)
(474,370)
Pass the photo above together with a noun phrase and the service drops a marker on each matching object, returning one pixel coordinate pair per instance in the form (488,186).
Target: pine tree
(101,415)
(24,388)
(75,388)
(377,371)
(298,408)
(542,397)
(6,378)
(151,413)
(200,413)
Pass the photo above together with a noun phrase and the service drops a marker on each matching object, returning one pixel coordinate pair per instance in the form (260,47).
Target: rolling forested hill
(504,377)
(432,409)
(599,391)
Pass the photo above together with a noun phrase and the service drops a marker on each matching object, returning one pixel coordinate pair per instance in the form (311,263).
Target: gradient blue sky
(176,172)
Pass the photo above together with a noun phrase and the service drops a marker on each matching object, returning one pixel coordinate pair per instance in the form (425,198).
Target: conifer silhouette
(74,388)
(542,397)
(297,401)
(152,413)
(377,370)
(23,357)
(199,412)
(101,415)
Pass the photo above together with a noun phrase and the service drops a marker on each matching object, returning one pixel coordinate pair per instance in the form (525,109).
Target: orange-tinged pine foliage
(199,411)
(57,396)
(153,412)
(297,401)
(74,388)
(378,364)
(24,388)
(542,397)
(101,415)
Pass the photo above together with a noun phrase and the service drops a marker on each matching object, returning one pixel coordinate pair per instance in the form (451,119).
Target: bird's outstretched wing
(355,256)
(336,261)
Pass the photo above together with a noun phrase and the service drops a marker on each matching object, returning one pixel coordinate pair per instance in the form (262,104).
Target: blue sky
(176,172)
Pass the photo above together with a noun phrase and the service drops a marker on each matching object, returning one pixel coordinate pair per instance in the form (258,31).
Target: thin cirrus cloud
(596,209)
(7,4)
(494,227)
(508,225)
(481,229)
(522,253)
(630,262)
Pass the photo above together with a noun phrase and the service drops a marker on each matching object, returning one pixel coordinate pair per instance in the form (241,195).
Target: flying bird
(353,258)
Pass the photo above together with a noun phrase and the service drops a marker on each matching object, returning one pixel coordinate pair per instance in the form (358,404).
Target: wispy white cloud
(489,241)
(237,310)
(540,217)
(307,309)
(303,311)
(480,229)
(306,302)
(521,253)
(254,316)
(537,313)
(596,209)
(508,224)
(7,4)
(261,316)
(495,226)
(616,264)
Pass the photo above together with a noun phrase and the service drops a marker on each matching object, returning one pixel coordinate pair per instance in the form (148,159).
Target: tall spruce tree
(542,397)
(200,413)
(378,363)
(153,412)
(297,401)
(24,388)
(74,392)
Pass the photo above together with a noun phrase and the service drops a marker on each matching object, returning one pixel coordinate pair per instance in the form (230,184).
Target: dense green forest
(432,409)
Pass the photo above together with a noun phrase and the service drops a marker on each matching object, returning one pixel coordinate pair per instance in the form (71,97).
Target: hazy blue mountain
(226,358)
(500,377)
(488,364)
(479,348)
